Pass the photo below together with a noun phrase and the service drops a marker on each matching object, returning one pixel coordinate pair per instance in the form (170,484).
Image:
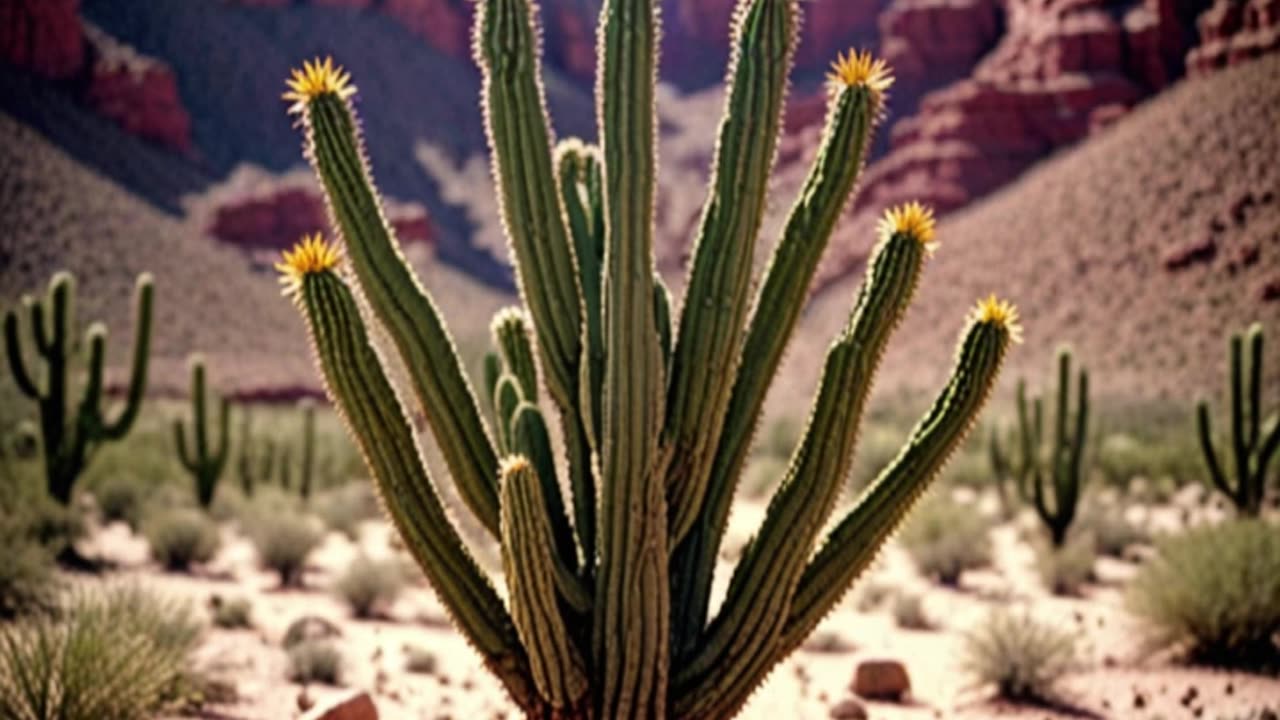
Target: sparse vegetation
(1020,656)
(120,653)
(945,538)
(1112,532)
(369,587)
(232,613)
(1215,592)
(1065,569)
(284,543)
(28,583)
(315,661)
(181,538)
(908,612)
(420,660)
(120,499)
(344,508)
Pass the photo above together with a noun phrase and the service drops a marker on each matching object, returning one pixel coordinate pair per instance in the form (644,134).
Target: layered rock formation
(1232,31)
(138,93)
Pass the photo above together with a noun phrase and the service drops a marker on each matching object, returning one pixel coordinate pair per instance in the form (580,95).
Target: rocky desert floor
(1115,677)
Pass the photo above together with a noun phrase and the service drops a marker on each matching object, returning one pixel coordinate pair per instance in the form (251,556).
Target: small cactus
(255,463)
(1253,442)
(205,457)
(307,450)
(1058,466)
(608,611)
(70,433)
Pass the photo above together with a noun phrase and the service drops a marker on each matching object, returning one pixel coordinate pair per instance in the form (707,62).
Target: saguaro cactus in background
(1253,442)
(250,469)
(206,458)
(70,434)
(607,614)
(307,449)
(1059,464)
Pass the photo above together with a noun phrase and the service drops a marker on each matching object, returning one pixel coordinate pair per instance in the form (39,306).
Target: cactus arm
(511,336)
(1061,440)
(528,561)
(224,434)
(39,324)
(631,612)
(144,294)
(1238,439)
(1254,389)
(307,468)
(399,301)
(379,424)
(506,49)
(853,544)
(17,365)
(851,118)
(755,607)
(1074,470)
(530,438)
(507,400)
(1210,453)
(1268,449)
(492,371)
(704,361)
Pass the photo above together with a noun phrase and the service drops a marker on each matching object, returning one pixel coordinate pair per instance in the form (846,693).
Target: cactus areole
(607,613)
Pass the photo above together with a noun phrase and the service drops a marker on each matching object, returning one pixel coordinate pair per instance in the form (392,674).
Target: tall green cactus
(205,457)
(607,611)
(256,461)
(307,450)
(1060,464)
(71,433)
(1253,442)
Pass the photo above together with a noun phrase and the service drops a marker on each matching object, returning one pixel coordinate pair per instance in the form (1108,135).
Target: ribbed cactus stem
(68,445)
(203,456)
(364,397)
(529,563)
(704,361)
(755,608)
(531,438)
(409,314)
(851,117)
(854,543)
(1253,441)
(511,336)
(631,656)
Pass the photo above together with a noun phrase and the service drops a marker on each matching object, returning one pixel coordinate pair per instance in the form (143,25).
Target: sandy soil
(1115,679)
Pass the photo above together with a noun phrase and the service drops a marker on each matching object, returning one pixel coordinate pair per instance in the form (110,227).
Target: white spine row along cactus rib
(607,612)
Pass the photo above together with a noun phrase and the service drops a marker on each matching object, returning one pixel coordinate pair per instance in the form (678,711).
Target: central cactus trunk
(606,613)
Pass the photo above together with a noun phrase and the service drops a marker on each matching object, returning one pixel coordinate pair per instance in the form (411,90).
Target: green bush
(1066,570)
(122,653)
(182,537)
(284,543)
(120,499)
(315,661)
(28,582)
(1112,532)
(1021,657)
(946,538)
(344,508)
(232,614)
(1215,592)
(369,587)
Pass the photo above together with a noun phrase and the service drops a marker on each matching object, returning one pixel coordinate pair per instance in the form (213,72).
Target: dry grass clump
(181,538)
(231,614)
(370,587)
(945,538)
(120,499)
(344,508)
(909,613)
(1020,656)
(1215,593)
(1066,570)
(284,543)
(123,653)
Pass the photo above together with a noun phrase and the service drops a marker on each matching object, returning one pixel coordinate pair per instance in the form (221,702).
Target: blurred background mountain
(150,134)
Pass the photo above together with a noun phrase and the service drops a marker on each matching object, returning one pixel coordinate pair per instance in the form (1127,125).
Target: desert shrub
(946,538)
(123,653)
(120,499)
(908,612)
(1215,592)
(315,661)
(369,586)
(871,594)
(28,583)
(420,660)
(51,524)
(182,537)
(969,468)
(231,614)
(342,509)
(1022,657)
(145,456)
(1112,532)
(1065,570)
(284,543)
